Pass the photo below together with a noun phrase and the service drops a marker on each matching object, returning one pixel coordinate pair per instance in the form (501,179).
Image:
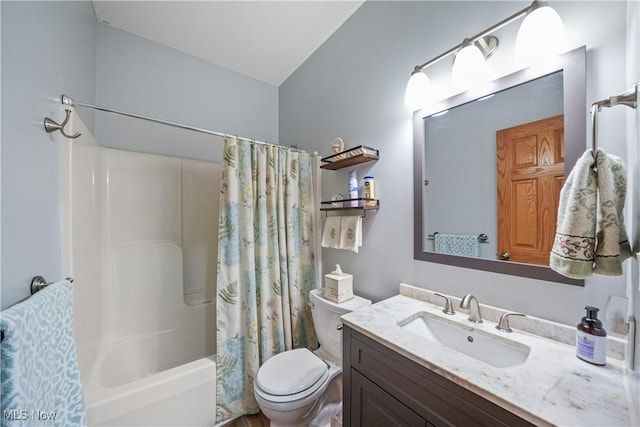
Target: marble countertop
(552,387)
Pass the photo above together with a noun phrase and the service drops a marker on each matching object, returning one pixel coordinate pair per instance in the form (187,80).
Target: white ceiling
(265,40)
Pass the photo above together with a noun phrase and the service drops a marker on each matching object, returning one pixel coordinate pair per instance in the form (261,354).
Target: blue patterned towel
(40,378)
(457,244)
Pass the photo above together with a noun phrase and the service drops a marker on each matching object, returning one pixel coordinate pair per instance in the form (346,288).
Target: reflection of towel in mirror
(589,198)
(457,244)
(331,233)
(351,233)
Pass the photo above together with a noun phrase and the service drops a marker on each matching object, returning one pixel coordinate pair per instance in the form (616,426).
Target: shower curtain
(265,266)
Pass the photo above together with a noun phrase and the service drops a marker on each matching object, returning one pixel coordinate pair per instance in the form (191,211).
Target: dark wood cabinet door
(376,408)
(383,388)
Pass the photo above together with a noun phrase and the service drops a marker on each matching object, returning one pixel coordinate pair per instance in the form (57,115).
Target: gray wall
(54,48)
(140,76)
(353,87)
(48,48)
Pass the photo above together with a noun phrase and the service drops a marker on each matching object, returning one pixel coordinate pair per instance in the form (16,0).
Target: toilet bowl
(292,387)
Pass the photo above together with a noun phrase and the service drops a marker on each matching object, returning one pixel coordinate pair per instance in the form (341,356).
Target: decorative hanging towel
(590,234)
(612,244)
(351,233)
(457,244)
(331,233)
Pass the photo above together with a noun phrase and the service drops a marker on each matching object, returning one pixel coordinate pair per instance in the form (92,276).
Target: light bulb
(418,89)
(540,36)
(469,67)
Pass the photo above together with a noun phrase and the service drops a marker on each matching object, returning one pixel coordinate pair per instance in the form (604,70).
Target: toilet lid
(291,372)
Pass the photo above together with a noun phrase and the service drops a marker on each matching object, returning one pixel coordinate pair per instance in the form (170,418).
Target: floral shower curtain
(265,266)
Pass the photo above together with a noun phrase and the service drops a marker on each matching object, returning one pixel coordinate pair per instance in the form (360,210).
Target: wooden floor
(257,420)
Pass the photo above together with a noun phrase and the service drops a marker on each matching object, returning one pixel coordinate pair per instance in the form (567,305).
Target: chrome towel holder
(38,283)
(629,98)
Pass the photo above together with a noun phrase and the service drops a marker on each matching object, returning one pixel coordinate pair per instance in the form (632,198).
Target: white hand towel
(573,250)
(331,233)
(351,233)
(589,198)
(612,246)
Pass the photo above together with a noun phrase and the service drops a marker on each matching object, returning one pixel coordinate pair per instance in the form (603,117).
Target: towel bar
(38,283)
(629,99)
(483,238)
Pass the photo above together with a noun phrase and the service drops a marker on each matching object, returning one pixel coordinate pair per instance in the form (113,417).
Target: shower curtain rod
(73,103)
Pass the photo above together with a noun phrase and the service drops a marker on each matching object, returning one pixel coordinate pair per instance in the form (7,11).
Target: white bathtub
(127,390)
(139,237)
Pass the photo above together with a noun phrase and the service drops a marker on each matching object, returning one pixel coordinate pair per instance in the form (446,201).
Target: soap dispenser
(591,338)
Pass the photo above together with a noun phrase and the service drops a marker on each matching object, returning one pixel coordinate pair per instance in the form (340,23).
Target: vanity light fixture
(541,34)
(470,63)
(418,89)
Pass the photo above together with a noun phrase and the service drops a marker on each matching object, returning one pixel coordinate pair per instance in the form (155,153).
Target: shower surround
(139,235)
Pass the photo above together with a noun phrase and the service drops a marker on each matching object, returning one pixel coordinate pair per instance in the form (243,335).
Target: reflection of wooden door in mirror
(530,159)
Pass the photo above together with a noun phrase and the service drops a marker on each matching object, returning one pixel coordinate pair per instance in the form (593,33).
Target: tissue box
(338,288)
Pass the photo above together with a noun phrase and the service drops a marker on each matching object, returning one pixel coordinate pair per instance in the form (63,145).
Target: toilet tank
(326,319)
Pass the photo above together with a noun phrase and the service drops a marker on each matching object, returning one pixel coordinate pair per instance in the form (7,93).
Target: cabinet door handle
(505,256)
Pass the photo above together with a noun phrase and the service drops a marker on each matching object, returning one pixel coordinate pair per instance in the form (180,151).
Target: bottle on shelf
(368,184)
(353,188)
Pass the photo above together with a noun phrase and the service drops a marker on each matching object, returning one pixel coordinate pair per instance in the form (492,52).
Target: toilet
(292,387)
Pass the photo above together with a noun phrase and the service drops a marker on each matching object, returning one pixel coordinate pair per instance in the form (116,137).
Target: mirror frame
(573,66)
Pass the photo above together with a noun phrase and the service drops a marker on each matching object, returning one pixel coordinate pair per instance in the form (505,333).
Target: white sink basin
(495,350)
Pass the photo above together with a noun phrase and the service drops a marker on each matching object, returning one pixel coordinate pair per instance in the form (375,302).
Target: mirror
(456,162)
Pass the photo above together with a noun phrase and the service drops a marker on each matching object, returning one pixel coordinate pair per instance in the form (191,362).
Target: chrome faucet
(470,302)
(448,307)
(503,324)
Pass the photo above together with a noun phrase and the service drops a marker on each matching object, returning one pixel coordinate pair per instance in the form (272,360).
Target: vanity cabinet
(384,388)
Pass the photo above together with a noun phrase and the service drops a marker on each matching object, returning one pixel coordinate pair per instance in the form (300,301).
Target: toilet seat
(291,375)
(291,392)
